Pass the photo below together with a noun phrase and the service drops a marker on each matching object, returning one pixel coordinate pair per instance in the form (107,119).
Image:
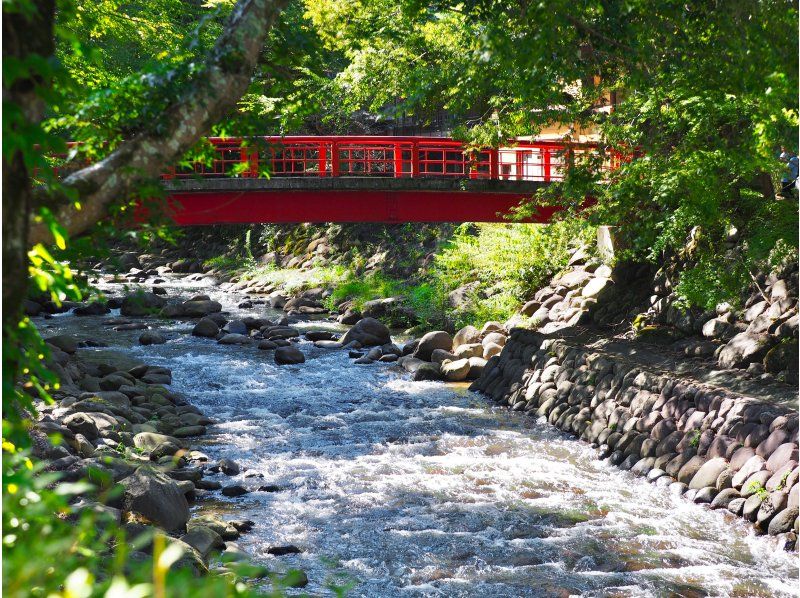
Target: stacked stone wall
(716,447)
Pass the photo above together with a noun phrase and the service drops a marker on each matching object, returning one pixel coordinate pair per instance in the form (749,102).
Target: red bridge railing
(398,157)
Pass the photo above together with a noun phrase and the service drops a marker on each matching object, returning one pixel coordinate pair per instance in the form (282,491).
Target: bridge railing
(399,157)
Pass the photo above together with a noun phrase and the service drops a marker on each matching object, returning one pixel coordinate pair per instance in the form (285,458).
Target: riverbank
(414,487)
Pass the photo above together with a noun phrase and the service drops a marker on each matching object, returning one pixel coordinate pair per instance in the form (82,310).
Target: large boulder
(438,339)
(468,335)
(368,332)
(94,308)
(157,497)
(456,371)
(198,308)
(206,327)
(141,303)
(289,355)
(707,474)
(66,342)
(743,349)
(152,337)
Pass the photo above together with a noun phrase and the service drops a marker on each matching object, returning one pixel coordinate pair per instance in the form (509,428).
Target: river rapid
(425,489)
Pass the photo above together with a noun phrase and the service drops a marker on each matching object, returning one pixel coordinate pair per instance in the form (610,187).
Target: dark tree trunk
(23,37)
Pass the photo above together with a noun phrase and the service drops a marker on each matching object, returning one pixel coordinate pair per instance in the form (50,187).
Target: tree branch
(212,93)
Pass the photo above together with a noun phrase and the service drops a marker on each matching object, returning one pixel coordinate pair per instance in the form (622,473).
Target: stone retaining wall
(716,447)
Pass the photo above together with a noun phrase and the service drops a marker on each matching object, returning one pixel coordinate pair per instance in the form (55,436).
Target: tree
(79,201)
(705,94)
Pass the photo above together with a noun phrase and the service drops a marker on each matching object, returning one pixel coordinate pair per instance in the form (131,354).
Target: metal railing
(398,157)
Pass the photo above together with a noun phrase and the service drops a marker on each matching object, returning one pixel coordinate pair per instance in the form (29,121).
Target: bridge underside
(287,200)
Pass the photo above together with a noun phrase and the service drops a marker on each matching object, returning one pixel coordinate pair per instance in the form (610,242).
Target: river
(426,489)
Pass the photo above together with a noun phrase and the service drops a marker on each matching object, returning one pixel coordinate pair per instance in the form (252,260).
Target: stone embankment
(715,447)
(693,400)
(119,425)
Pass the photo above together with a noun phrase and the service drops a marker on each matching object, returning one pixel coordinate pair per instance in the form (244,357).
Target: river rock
(783,521)
(368,332)
(267,345)
(234,339)
(289,356)
(65,342)
(206,327)
(81,423)
(152,337)
(456,371)
(427,371)
(753,465)
(235,327)
(203,539)
(743,349)
(156,497)
(690,469)
(468,335)
(320,335)
(148,441)
(234,490)
(199,307)
(438,339)
(468,350)
(491,350)
(441,355)
(724,498)
(708,473)
(782,455)
(95,308)
(141,304)
(476,366)
(496,338)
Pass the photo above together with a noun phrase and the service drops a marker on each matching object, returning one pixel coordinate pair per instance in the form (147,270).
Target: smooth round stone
(654,474)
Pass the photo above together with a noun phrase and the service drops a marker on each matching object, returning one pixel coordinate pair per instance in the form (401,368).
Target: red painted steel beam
(253,206)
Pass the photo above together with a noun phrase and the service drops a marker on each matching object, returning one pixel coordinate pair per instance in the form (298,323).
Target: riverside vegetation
(712,252)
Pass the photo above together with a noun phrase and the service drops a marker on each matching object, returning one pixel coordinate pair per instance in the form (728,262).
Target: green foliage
(705,94)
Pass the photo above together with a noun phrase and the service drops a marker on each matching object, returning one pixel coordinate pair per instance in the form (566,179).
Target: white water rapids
(425,489)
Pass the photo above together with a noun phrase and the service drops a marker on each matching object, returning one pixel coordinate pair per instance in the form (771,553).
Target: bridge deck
(347,199)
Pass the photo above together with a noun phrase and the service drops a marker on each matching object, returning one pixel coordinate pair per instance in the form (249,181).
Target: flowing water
(426,489)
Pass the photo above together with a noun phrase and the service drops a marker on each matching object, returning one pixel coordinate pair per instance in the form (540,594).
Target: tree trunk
(213,93)
(23,37)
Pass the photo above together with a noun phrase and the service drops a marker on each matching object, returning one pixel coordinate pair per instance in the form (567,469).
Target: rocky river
(403,488)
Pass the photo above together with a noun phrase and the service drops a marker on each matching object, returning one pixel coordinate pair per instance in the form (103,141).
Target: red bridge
(367,179)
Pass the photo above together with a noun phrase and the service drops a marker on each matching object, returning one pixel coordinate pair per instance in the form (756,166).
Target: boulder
(708,473)
(95,308)
(197,307)
(491,350)
(235,327)
(469,350)
(441,355)
(494,338)
(596,286)
(438,339)
(81,423)
(752,466)
(289,355)
(149,441)
(66,342)
(234,339)
(456,371)
(781,455)
(466,336)
(368,332)
(744,348)
(152,337)
(157,497)
(427,371)
(141,304)
(203,540)
(206,327)
(690,469)
(724,498)
(783,521)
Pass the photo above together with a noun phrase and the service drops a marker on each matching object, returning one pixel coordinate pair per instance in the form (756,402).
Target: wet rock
(427,371)
(235,327)
(267,345)
(368,332)
(65,342)
(705,495)
(751,506)
(438,339)
(152,337)
(206,327)
(199,307)
(141,304)
(724,498)
(188,431)
(235,490)
(234,339)
(229,467)
(95,308)
(783,521)
(289,356)
(736,506)
(283,550)
(320,335)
